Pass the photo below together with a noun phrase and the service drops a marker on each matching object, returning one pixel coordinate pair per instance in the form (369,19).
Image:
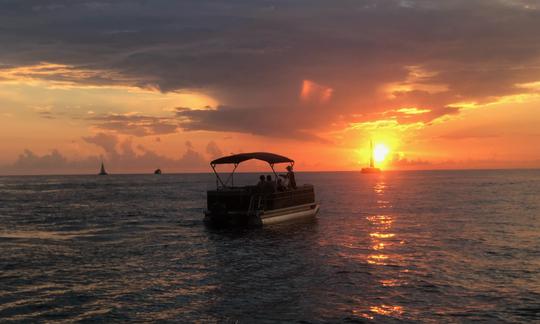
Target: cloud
(481,132)
(117,155)
(314,92)
(61,75)
(334,59)
(399,161)
(135,124)
(45,112)
(106,141)
(54,162)
(414,115)
(278,122)
(213,150)
(122,155)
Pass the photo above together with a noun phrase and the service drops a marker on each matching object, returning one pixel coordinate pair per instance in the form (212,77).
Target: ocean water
(440,246)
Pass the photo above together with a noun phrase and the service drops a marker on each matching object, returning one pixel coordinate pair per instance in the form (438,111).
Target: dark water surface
(445,246)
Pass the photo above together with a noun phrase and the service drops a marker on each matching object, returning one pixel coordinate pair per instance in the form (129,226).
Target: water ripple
(446,246)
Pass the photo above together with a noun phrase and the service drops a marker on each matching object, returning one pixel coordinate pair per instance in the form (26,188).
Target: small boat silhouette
(158,171)
(102,171)
(372,168)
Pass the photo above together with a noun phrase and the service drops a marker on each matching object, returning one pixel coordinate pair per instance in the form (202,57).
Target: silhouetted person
(290,177)
(281,186)
(270,185)
(260,184)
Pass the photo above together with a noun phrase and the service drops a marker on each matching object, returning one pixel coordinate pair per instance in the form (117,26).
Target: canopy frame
(270,158)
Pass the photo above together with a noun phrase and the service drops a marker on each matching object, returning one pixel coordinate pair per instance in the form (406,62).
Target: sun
(380,152)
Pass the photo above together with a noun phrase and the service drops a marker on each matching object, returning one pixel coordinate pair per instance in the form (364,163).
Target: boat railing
(251,200)
(256,202)
(280,199)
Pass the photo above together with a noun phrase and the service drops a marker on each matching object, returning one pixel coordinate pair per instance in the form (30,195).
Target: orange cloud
(61,75)
(418,79)
(315,93)
(413,111)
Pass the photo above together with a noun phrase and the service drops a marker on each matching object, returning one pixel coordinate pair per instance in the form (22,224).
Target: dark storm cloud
(268,121)
(136,125)
(251,52)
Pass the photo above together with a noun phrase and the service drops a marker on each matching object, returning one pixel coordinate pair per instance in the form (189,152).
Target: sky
(140,85)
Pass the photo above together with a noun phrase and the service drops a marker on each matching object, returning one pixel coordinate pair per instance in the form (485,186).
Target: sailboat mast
(371,164)
(102,171)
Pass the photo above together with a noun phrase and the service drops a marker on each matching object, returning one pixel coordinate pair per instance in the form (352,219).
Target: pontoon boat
(230,205)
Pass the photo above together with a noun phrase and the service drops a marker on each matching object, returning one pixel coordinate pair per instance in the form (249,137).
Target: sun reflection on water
(379,187)
(377,259)
(387,310)
(381,220)
(390,282)
(383,309)
(378,246)
(383,237)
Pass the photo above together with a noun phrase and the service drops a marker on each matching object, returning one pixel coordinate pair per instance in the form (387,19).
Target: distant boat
(158,171)
(372,168)
(102,171)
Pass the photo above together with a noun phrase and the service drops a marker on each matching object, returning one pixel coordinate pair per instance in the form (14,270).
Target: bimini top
(270,158)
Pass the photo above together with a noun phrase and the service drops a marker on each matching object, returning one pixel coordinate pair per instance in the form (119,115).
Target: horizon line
(250,172)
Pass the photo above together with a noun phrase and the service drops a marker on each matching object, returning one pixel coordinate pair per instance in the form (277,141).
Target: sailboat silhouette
(372,168)
(102,171)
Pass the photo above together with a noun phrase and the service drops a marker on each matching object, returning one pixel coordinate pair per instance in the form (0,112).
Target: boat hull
(262,218)
(289,214)
(371,170)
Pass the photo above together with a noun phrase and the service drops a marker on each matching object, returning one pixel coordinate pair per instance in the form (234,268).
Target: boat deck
(244,198)
(250,205)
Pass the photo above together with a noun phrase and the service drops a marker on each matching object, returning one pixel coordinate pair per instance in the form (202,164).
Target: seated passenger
(261,183)
(269,185)
(284,181)
(272,182)
(280,184)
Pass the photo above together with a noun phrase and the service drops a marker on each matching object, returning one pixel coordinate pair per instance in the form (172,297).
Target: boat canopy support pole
(272,166)
(273,170)
(218,178)
(231,176)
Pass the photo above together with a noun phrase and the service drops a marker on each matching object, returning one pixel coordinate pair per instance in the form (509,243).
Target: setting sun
(380,152)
